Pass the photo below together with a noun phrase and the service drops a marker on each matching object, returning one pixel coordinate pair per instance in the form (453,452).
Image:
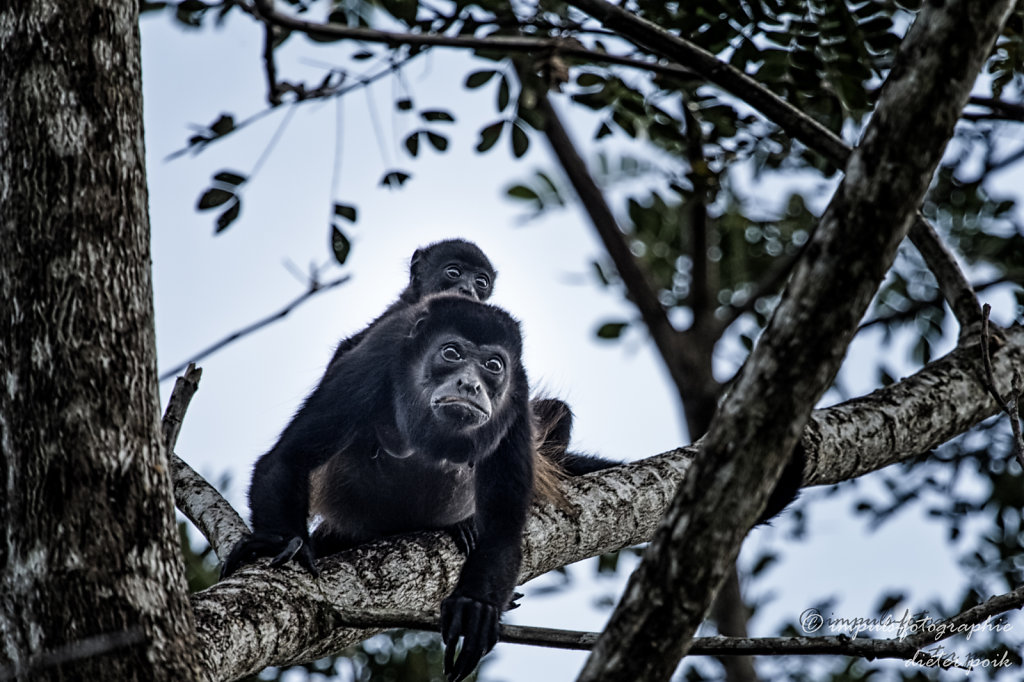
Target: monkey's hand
(281,548)
(476,624)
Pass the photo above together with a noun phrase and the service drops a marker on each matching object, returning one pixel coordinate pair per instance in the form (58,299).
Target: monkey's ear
(417,256)
(417,327)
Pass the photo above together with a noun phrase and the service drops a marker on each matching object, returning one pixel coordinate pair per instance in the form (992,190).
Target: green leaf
(503,93)
(362,55)
(404,104)
(611,330)
(520,141)
(587,79)
(412,143)
(340,245)
(345,211)
(230,177)
(478,78)
(522,192)
(489,135)
(437,115)
(603,131)
(228,216)
(440,142)
(214,197)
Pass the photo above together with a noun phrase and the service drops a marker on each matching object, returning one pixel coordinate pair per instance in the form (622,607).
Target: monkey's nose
(469,386)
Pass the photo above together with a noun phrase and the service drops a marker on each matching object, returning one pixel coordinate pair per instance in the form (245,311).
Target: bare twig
(917,306)
(314,288)
(964,622)
(914,633)
(1010,407)
(566,47)
(185,387)
(199,501)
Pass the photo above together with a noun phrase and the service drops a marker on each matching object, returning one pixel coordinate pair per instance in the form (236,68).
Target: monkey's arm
(279,493)
(279,501)
(503,493)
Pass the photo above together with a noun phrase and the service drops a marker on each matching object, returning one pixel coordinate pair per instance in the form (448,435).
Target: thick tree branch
(758,423)
(270,617)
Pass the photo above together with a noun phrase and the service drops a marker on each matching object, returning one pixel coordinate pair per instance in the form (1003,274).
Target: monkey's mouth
(461,410)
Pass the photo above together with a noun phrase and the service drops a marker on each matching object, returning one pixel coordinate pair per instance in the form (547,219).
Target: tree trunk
(92,584)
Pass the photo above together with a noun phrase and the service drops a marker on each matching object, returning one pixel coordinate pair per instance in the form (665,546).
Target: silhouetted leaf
(435,115)
(394,178)
(412,143)
(214,197)
(522,192)
(440,142)
(228,216)
(223,125)
(345,211)
(340,245)
(404,104)
(478,78)
(520,141)
(230,177)
(503,93)
(611,330)
(489,135)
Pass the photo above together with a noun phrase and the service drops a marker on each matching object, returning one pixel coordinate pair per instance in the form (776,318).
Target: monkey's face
(456,380)
(466,382)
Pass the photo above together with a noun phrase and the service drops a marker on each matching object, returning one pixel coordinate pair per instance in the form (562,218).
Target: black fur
(430,273)
(400,436)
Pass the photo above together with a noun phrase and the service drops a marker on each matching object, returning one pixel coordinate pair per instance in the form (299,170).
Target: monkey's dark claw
(464,533)
(513,602)
(473,622)
(256,545)
(300,551)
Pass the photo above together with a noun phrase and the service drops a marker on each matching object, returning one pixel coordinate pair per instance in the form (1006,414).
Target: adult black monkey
(461,267)
(454,265)
(424,424)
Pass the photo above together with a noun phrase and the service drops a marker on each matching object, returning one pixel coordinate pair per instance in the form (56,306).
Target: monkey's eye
(453,272)
(494,365)
(482,282)
(451,353)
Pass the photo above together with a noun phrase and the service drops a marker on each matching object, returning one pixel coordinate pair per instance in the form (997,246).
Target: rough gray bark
(796,358)
(266,617)
(91,581)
